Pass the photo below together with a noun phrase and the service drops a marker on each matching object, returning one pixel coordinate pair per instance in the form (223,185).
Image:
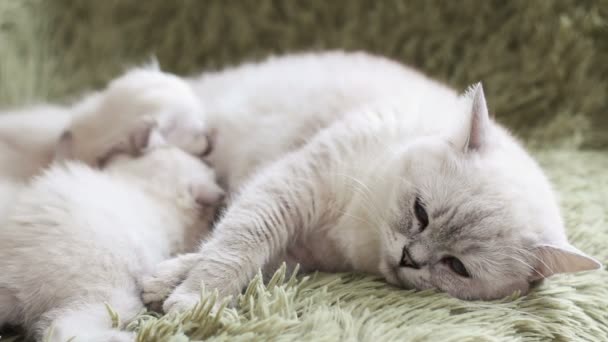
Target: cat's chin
(394,275)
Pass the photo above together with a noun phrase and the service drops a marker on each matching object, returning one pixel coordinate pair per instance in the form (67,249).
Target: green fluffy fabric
(543,64)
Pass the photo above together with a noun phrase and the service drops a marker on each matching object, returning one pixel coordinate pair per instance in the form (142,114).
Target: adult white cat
(349,162)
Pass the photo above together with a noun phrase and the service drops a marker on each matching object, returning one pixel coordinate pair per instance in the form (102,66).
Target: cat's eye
(456,266)
(421,215)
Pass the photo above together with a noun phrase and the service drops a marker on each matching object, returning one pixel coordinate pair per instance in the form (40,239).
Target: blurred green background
(544,63)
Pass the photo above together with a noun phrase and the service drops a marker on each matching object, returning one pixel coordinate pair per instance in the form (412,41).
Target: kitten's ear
(474,136)
(551,259)
(145,135)
(63,149)
(207,194)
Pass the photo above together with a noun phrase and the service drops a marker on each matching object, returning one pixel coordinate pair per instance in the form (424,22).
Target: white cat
(99,126)
(349,162)
(78,238)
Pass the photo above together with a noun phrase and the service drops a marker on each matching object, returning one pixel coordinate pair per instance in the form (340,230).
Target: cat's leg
(278,204)
(167,275)
(89,320)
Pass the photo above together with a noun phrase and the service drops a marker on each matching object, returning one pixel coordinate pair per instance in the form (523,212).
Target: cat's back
(280,103)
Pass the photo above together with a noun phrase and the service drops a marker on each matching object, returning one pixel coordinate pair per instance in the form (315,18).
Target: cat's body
(76,238)
(278,105)
(336,160)
(340,146)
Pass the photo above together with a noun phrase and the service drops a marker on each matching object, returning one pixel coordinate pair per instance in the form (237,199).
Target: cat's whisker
(530,267)
(356,218)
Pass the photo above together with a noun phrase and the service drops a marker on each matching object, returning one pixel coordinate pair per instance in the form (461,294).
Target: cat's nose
(407,260)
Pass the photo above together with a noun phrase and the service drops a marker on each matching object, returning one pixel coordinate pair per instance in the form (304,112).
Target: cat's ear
(474,135)
(63,149)
(551,259)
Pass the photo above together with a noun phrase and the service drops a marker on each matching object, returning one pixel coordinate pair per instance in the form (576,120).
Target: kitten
(78,238)
(350,162)
(31,132)
(98,126)
(102,126)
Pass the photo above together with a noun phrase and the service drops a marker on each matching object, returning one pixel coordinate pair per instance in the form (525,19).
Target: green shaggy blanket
(545,70)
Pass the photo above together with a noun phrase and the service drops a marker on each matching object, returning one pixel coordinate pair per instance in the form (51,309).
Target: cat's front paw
(167,275)
(206,272)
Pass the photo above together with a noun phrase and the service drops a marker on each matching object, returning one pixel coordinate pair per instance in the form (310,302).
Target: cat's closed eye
(456,266)
(421,215)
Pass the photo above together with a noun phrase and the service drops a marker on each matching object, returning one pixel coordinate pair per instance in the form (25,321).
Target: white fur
(338,146)
(77,238)
(325,154)
(105,126)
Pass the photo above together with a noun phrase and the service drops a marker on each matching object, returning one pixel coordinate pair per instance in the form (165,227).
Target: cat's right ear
(552,259)
(473,136)
(64,149)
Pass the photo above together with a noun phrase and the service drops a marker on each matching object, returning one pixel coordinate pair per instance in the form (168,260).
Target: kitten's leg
(90,321)
(276,206)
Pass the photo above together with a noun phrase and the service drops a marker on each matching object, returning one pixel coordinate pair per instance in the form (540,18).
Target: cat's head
(473,214)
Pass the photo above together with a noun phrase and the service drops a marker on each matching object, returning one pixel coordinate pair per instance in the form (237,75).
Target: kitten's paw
(168,274)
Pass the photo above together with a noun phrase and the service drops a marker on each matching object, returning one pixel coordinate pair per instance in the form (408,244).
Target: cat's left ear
(552,259)
(474,135)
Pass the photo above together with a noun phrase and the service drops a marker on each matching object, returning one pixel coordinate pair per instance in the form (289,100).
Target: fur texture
(78,238)
(338,150)
(340,146)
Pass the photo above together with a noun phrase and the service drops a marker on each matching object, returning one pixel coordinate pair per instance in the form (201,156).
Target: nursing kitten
(350,162)
(101,126)
(78,238)
(98,126)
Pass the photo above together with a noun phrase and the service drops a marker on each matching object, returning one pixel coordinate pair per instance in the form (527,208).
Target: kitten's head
(164,170)
(474,216)
(113,120)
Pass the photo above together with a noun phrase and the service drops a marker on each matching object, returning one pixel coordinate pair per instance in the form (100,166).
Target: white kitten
(31,132)
(104,126)
(77,238)
(99,125)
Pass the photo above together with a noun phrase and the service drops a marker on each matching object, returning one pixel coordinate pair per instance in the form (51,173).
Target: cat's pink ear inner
(480,119)
(64,150)
(550,260)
